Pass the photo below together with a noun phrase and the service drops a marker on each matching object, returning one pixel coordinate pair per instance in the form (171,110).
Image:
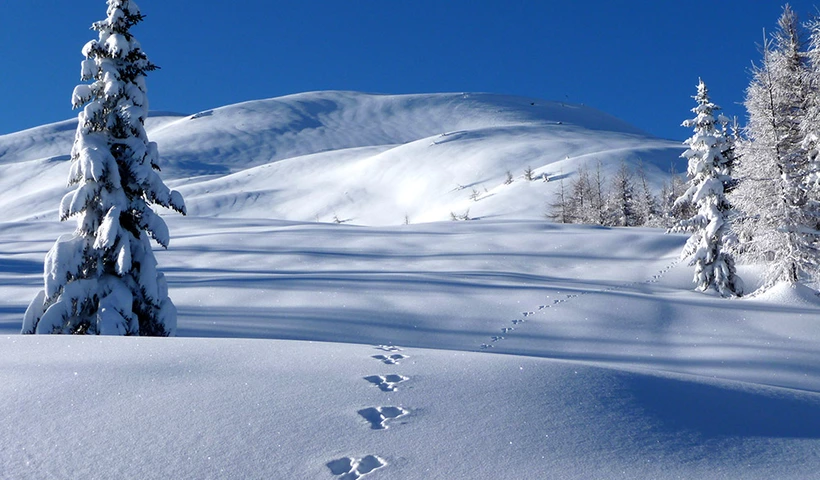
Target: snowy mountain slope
(368,159)
(507,347)
(55,139)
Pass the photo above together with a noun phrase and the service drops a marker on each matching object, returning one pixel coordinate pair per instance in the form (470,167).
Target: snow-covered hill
(504,348)
(367,159)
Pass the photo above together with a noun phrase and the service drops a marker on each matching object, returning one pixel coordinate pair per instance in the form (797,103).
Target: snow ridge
(359,158)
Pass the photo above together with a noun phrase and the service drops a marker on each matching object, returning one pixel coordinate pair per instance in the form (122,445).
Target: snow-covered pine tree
(710,174)
(778,226)
(647,204)
(103,279)
(810,126)
(621,210)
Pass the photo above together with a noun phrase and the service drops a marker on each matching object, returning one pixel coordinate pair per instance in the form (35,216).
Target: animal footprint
(378,416)
(392,359)
(517,321)
(349,468)
(486,345)
(387,383)
(388,348)
(497,338)
(527,314)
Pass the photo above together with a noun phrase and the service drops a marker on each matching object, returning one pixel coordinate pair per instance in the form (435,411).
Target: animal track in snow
(378,416)
(386,383)
(567,297)
(388,348)
(390,359)
(349,468)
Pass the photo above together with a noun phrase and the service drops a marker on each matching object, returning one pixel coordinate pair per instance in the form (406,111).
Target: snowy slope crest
(345,156)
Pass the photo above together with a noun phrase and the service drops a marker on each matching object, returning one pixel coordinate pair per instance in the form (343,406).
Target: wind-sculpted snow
(200,408)
(366,159)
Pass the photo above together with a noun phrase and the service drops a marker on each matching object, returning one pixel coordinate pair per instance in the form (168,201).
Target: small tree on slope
(103,278)
(621,206)
(779,222)
(710,166)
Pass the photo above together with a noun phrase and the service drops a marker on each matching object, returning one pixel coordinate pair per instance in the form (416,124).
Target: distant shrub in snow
(529,174)
(509,178)
(460,217)
(103,279)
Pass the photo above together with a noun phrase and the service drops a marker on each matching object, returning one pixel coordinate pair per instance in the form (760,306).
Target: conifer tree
(646,205)
(810,127)
(560,209)
(779,221)
(599,195)
(621,208)
(103,278)
(710,168)
(581,198)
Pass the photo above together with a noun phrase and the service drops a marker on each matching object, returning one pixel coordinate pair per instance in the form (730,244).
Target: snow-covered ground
(506,347)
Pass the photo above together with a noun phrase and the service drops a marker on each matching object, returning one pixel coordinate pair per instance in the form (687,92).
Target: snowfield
(507,347)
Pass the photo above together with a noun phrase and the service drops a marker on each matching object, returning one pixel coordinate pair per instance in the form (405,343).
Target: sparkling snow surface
(502,348)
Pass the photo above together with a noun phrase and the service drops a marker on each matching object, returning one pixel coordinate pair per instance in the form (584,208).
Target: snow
(370,159)
(505,347)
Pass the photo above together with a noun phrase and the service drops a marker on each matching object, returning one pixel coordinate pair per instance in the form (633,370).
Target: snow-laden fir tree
(647,204)
(103,279)
(810,126)
(621,205)
(710,156)
(778,225)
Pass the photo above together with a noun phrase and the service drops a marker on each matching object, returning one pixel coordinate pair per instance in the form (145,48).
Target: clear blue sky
(637,60)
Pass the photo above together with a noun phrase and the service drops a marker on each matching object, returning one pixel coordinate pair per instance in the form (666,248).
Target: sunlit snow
(504,347)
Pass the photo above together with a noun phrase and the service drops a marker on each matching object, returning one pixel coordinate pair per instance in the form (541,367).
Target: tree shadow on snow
(716,411)
(10,265)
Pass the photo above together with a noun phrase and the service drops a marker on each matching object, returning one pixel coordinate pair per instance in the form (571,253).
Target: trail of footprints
(542,308)
(349,468)
(352,468)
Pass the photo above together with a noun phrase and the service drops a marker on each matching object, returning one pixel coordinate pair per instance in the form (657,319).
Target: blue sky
(637,60)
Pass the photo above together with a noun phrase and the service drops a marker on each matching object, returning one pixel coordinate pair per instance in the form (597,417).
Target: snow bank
(194,408)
